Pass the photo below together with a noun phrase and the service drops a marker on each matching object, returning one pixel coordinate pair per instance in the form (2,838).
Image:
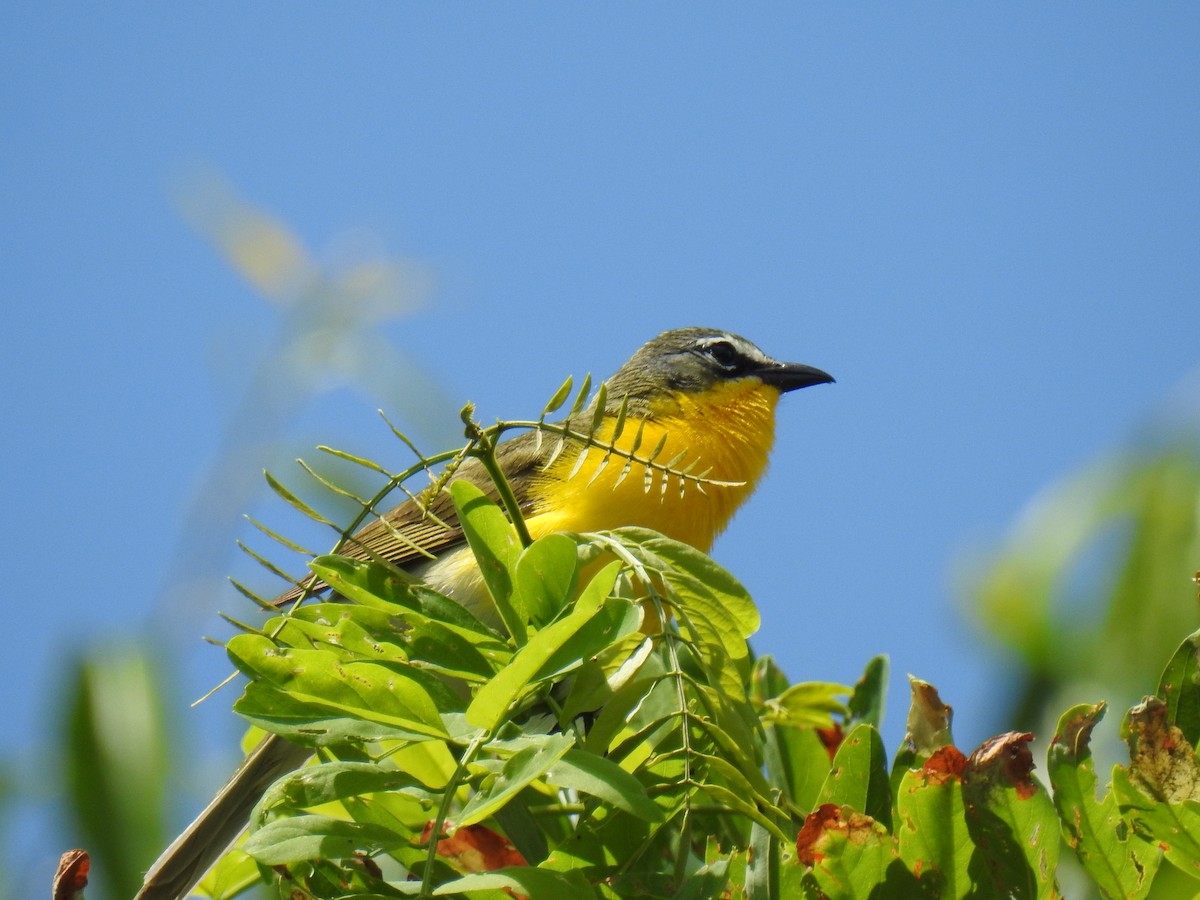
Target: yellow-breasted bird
(707,393)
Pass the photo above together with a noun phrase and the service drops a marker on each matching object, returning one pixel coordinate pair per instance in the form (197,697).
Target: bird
(705,395)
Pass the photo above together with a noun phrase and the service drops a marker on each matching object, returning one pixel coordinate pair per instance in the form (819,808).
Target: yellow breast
(727,431)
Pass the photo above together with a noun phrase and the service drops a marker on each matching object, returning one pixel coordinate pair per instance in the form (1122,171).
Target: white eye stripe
(744,350)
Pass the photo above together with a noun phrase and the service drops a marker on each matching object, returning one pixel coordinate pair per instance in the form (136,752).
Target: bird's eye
(724,354)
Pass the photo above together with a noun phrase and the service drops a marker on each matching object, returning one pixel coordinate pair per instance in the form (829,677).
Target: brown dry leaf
(826,819)
(1161,759)
(928,725)
(71,877)
(1005,758)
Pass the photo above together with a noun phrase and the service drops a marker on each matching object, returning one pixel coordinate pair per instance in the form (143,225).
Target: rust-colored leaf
(831,738)
(944,766)
(71,877)
(476,848)
(815,824)
(1006,758)
(825,820)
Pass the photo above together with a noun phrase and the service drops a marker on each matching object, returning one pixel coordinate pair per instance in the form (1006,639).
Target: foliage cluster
(615,738)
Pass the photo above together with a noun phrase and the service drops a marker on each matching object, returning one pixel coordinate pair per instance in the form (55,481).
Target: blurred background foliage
(132,771)
(1089,592)
(1093,585)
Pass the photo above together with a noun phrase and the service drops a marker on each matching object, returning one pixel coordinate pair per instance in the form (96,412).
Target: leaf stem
(439,822)
(485,451)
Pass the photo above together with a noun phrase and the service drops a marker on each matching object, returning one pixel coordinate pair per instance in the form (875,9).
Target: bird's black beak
(792,376)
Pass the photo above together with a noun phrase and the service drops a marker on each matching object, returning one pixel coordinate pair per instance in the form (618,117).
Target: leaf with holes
(1117,859)
(1011,818)
(931,827)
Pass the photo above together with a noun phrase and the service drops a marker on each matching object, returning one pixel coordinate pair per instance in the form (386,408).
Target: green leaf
(604,844)
(706,882)
(742,805)
(298,720)
(616,620)
(234,873)
(491,703)
(1180,688)
(519,771)
(363,581)
(377,586)
(399,635)
(732,769)
(766,680)
(866,703)
(523,829)
(1118,861)
(434,646)
(1161,788)
(330,781)
(847,852)
(599,407)
(859,777)
(544,578)
(292,500)
(647,693)
(795,879)
(709,597)
(375,693)
(797,760)
(357,460)
(931,828)
(585,388)
(1011,819)
(701,612)
(807,703)
(797,763)
(604,780)
(559,398)
(333,627)
(599,678)
(526,880)
(496,547)
(760,865)
(1150,595)
(1175,827)
(736,742)
(724,674)
(116,758)
(430,762)
(298,838)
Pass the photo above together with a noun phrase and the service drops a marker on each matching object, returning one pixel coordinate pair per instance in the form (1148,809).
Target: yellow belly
(728,431)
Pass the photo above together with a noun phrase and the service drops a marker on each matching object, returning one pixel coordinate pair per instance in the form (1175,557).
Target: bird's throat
(715,447)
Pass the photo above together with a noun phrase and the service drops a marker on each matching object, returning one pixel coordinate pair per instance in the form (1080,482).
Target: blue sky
(983,221)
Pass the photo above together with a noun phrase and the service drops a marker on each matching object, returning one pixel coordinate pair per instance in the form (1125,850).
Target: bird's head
(697,360)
